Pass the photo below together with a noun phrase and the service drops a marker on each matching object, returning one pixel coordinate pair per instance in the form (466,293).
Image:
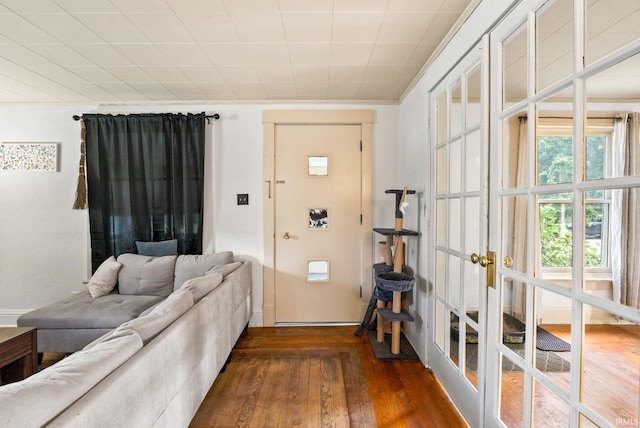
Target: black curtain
(145,178)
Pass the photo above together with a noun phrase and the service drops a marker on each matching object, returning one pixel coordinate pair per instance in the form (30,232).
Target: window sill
(598,280)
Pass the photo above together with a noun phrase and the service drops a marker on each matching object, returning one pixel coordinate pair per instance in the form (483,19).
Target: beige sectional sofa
(153,370)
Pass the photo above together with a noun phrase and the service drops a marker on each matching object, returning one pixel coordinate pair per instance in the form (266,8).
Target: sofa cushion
(156,249)
(150,325)
(81,311)
(224,269)
(146,275)
(192,266)
(55,388)
(202,285)
(104,278)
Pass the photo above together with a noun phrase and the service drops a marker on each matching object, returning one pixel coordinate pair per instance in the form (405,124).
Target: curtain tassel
(81,201)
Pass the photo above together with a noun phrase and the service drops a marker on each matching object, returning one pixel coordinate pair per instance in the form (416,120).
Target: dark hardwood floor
(405,394)
(401,393)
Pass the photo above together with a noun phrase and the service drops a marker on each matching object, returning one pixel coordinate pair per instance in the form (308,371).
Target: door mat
(513,333)
(546,361)
(383,349)
(546,341)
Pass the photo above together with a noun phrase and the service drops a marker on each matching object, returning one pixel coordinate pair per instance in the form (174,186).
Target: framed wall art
(29,157)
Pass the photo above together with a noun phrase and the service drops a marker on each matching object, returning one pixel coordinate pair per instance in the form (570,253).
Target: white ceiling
(128,51)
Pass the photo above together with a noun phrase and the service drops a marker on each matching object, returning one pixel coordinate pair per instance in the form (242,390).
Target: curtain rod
(214,116)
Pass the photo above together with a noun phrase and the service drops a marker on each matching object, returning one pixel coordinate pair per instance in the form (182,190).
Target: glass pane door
(459,154)
(563,322)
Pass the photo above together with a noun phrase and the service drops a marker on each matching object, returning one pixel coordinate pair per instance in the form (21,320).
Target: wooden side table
(18,353)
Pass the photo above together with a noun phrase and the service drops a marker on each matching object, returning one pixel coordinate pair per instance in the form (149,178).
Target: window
(555,210)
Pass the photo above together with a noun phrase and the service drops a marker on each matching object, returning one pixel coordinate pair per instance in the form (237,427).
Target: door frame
(273,118)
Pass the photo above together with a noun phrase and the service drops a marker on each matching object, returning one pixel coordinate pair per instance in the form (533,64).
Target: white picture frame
(29,157)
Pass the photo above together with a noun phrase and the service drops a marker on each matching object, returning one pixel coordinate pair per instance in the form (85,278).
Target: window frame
(563,127)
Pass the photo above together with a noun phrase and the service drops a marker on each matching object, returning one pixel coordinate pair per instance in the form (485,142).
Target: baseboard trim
(563,316)
(9,317)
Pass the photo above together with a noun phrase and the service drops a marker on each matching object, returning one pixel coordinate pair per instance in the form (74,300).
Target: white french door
(459,186)
(558,202)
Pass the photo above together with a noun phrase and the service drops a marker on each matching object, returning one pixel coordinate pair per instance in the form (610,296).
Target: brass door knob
(484,261)
(287,235)
(507,261)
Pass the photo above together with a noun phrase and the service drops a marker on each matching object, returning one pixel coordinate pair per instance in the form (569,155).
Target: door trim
(272,118)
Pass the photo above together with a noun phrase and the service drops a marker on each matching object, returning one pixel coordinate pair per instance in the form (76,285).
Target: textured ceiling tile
(441,25)
(361,5)
(248,90)
(196,6)
(280,90)
(95,74)
(238,73)
(306,5)
(141,6)
(343,90)
(184,54)
(32,6)
(273,74)
(243,6)
(218,91)
(416,5)
(142,54)
(130,74)
(268,54)
(309,53)
(101,54)
(226,54)
(161,28)
(202,73)
(356,27)
(351,53)
(59,74)
(392,53)
(123,91)
(308,27)
(167,74)
(256,28)
(405,27)
(376,90)
(61,28)
(423,52)
(84,6)
(185,91)
(346,73)
(382,73)
(154,91)
(311,73)
(210,28)
(112,27)
(455,5)
(93,92)
(312,90)
(61,54)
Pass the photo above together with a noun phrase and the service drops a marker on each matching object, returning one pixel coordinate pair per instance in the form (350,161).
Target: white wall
(44,251)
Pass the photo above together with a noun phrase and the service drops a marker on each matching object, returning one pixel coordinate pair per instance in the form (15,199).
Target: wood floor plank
(332,378)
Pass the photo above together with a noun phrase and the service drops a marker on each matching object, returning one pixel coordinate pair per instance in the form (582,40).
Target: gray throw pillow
(146,275)
(157,249)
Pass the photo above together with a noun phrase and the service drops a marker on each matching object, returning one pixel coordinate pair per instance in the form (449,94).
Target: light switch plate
(243,199)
